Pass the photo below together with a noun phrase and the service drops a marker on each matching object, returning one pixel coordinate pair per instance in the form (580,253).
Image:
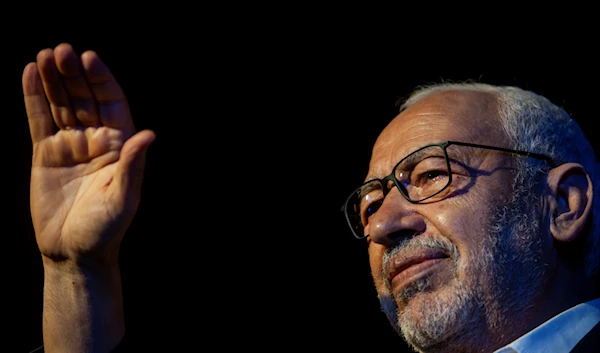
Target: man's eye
(431,176)
(369,211)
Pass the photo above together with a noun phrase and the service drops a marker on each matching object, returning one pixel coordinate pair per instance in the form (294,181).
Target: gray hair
(533,123)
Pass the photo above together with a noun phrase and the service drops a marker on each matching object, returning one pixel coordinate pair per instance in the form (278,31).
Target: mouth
(412,266)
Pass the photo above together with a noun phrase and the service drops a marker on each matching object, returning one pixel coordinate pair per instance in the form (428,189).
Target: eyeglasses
(425,174)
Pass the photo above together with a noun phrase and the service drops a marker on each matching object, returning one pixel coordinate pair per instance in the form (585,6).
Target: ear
(571,204)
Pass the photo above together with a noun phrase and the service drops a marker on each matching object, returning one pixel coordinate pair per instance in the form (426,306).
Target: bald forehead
(460,111)
(461,115)
(460,98)
(457,105)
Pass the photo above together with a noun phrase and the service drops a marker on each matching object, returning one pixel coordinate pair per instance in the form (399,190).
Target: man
(88,161)
(86,176)
(481,214)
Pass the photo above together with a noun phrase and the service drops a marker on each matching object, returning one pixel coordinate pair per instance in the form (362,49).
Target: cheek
(455,221)
(375,256)
(464,224)
(457,224)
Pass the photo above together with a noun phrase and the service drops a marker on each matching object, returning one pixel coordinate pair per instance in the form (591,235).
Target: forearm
(83,307)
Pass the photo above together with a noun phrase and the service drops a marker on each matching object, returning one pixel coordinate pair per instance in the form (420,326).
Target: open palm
(88,160)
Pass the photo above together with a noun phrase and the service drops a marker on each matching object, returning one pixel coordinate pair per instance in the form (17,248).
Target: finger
(113,108)
(130,168)
(80,96)
(55,91)
(36,105)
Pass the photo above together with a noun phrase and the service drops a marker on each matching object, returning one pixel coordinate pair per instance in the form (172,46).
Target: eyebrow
(413,157)
(421,153)
(365,189)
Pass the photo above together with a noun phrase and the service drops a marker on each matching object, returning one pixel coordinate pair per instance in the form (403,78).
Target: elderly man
(480,210)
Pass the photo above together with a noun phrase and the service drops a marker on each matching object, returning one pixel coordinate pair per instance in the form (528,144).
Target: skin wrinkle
(378,169)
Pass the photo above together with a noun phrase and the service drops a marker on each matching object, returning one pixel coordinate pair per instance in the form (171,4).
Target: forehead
(465,116)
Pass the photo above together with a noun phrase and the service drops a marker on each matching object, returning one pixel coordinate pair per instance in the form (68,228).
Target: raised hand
(88,160)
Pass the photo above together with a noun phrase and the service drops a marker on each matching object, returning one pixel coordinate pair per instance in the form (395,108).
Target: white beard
(500,282)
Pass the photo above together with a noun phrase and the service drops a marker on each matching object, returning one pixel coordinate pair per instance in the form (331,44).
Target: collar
(559,334)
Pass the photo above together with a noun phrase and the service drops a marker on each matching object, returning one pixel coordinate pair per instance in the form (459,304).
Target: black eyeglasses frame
(443,146)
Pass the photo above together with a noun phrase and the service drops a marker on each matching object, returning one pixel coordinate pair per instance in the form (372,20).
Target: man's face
(445,267)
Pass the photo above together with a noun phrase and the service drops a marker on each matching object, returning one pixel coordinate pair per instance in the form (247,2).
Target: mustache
(409,245)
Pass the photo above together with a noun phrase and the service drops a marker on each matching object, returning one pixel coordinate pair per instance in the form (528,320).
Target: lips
(411,264)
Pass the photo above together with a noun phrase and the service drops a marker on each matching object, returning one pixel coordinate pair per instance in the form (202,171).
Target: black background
(263,124)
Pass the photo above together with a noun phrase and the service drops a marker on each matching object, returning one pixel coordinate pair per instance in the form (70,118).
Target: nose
(395,219)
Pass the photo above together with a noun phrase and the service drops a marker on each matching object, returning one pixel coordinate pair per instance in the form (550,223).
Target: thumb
(130,167)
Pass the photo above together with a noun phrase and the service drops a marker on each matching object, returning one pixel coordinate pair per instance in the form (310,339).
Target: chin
(434,315)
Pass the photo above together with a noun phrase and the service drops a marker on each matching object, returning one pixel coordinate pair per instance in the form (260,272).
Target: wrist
(84,300)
